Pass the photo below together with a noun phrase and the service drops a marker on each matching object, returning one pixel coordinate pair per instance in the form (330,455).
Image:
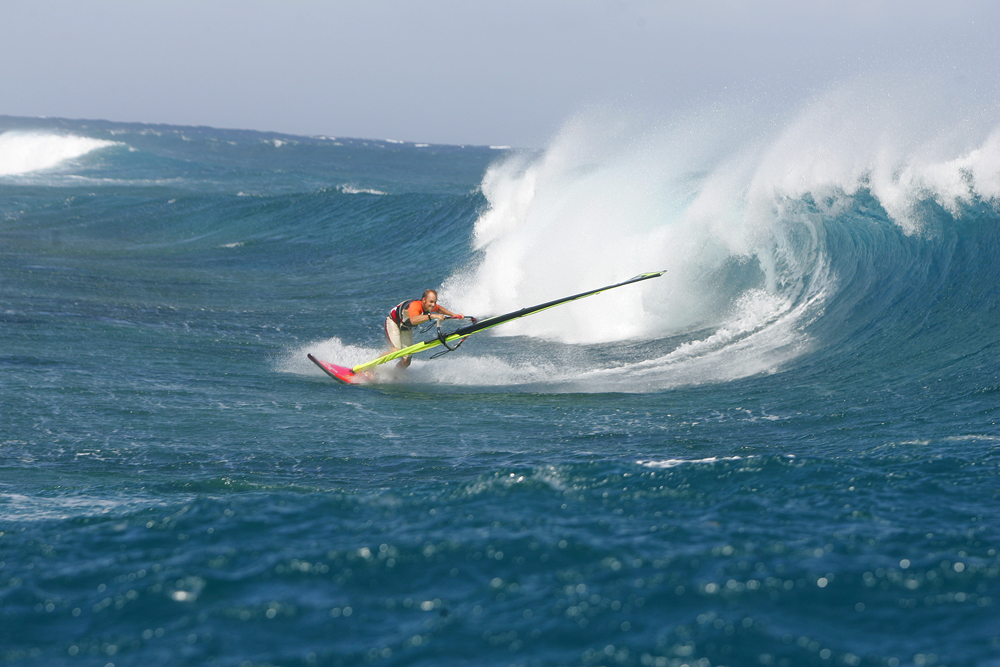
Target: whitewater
(783,451)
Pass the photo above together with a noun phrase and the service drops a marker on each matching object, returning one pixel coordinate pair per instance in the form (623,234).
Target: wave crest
(26,152)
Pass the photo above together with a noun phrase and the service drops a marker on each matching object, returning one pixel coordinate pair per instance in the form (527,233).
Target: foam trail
(26,152)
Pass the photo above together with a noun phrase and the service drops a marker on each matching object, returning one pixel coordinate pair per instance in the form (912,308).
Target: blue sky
(498,72)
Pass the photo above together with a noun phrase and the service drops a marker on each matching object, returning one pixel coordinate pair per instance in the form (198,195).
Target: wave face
(783,452)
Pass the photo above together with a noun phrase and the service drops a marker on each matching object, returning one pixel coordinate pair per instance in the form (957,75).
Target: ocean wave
(673,463)
(351,189)
(26,152)
(765,227)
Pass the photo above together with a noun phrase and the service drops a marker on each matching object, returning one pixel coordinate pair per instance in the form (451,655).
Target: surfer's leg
(405,340)
(397,339)
(392,335)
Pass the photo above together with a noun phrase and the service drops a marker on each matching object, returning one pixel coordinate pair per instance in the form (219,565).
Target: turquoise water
(785,451)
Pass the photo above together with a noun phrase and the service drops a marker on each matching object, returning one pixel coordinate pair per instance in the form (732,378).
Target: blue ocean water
(785,451)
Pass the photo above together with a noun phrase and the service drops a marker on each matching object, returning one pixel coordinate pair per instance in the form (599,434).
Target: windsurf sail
(462,333)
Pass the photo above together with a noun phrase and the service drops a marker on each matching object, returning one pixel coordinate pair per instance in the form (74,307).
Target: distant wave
(26,152)
(349,189)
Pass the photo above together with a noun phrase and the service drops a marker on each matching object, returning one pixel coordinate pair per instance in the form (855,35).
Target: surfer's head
(429,300)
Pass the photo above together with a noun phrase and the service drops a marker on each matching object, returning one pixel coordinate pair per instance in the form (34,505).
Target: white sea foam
(487,371)
(26,152)
(673,463)
(350,189)
(42,508)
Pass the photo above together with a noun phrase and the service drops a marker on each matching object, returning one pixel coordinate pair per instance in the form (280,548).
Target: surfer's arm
(424,317)
(442,309)
(418,316)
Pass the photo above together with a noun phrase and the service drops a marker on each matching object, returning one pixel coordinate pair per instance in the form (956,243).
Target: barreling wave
(859,221)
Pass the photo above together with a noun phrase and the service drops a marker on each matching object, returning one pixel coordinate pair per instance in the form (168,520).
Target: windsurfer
(406,316)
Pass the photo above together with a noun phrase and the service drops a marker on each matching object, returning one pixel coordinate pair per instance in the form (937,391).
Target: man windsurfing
(406,316)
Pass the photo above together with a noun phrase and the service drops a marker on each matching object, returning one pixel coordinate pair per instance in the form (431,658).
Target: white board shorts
(398,338)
